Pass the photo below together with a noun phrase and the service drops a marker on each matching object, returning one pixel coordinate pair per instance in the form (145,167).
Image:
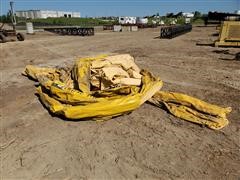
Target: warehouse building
(33,14)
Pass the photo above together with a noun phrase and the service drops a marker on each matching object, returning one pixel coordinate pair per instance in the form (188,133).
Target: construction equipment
(170,32)
(6,34)
(218,17)
(229,34)
(74,31)
(229,31)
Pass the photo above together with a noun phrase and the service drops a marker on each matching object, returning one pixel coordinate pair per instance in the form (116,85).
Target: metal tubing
(174,31)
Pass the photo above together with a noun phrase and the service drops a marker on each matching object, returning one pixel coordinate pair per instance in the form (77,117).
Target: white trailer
(127,20)
(142,20)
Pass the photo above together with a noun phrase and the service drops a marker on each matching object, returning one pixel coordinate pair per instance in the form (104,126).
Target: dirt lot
(148,143)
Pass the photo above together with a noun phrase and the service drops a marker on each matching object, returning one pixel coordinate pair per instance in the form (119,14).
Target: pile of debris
(103,87)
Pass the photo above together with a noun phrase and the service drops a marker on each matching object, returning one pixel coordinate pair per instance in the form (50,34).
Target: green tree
(197,14)
(5,18)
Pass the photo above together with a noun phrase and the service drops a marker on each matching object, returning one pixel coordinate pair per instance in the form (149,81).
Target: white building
(33,14)
(127,20)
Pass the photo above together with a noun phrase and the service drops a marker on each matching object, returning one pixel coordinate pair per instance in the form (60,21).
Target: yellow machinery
(229,34)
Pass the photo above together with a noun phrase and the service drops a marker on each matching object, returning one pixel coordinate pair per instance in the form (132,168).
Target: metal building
(33,14)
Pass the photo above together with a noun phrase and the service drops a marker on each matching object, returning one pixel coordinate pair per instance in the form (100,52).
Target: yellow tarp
(192,109)
(107,86)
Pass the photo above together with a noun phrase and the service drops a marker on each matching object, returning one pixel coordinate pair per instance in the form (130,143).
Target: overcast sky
(124,7)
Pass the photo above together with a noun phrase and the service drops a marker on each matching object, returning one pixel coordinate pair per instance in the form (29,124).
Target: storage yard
(148,143)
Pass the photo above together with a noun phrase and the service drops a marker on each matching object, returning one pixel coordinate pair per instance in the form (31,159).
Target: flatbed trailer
(72,31)
(218,17)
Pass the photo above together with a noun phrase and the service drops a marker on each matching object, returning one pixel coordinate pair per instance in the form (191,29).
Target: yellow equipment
(229,35)
(103,87)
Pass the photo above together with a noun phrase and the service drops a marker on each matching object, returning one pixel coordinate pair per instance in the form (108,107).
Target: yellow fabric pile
(103,87)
